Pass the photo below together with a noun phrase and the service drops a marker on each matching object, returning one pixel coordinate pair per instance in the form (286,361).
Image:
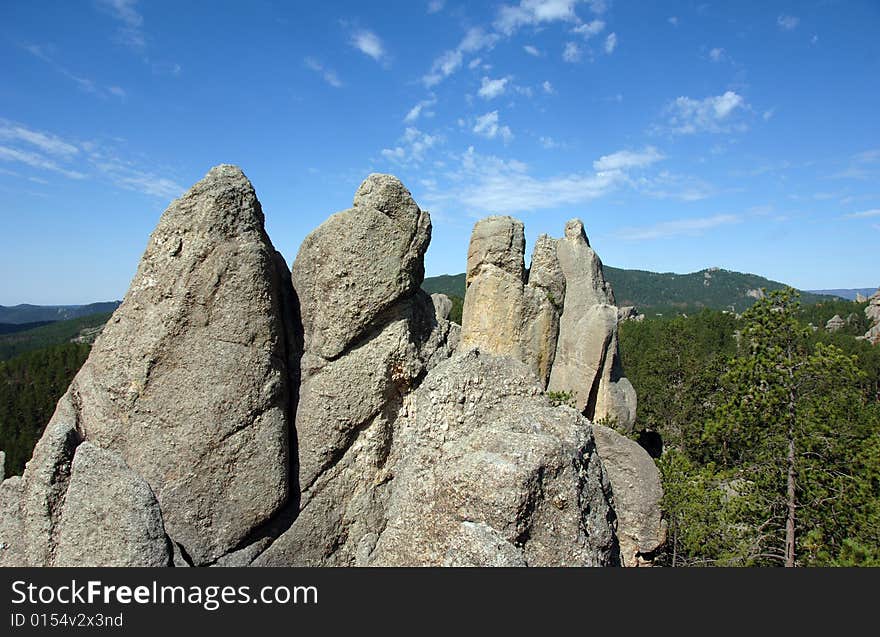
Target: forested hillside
(25,313)
(665,293)
(15,342)
(770,435)
(30,385)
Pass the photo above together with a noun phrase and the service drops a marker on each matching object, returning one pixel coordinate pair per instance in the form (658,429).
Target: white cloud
(449,62)
(411,147)
(787,22)
(491,89)
(666,185)
(118,91)
(534,12)
(626,159)
(416,111)
(814,39)
(716,55)
(549,143)
(677,227)
(865,214)
(768,114)
(488,126)
(489,184)
(589,29)
(610,43)
(130,32)
(548,87)
(435,6)
(571,53)
(46,142)
(35,160)
(369,43)
(531,50)
(150,184)
(673,21)
(711,114)
(329,75)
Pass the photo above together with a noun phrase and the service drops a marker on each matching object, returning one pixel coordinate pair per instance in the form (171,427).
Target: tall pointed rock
(189,383)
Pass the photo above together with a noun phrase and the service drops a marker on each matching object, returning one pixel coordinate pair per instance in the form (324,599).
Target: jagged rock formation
(629,313)
(233,413)
(188,383)
(635,482)
(872,312)
(504,312)
(350,392)
(562,322)
(486,472)
(835,323)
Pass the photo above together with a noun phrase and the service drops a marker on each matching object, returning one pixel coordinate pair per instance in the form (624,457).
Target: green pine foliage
(771,435)
(30,386)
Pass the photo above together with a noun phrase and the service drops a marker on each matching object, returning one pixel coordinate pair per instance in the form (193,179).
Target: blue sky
(741,135)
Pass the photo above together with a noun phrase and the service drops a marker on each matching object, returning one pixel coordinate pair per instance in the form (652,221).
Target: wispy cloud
(534,12)
(488,126)
(787,22)
(419,110)
(687,116)
(548,87)
(488,184)
(46,151)
(36,160)
(450,61)
(369,44)
(435,6)
(130,32)
(590,29)
(610,43)
(571,52)
(627,159)
(329,75)
(490,89)
(677,227)
(716,54)
(86,85)
(875,212)
(861,166)
(532,50)
(46,142)
(411,147)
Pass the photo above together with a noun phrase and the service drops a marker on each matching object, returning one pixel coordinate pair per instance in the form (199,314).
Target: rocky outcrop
(352,389)
(629,313)
(636,495)
(475,469)
(189,383)
(483,471)
(12,548)
(835,323)
(872,312)
(504,311)
(234,413)
(561,320)
(587,360)
(110,516)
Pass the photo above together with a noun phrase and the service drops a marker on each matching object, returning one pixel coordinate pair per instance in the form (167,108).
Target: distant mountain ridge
(712,288)
(25,313)
(847,293)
